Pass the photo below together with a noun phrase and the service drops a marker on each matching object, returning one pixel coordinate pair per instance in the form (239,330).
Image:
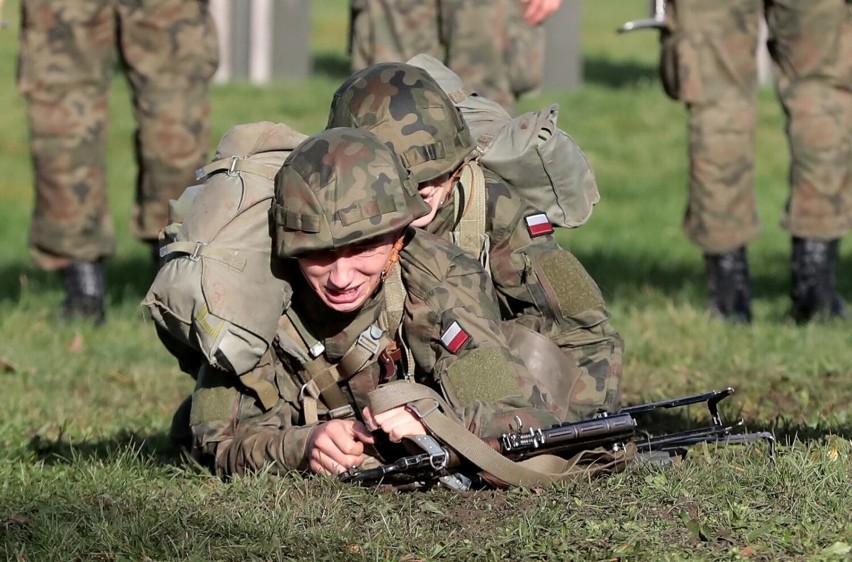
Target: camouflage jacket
(450,325)
(542,286)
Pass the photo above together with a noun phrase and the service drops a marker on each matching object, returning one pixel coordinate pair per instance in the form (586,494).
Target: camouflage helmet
(340,187)
(406,108)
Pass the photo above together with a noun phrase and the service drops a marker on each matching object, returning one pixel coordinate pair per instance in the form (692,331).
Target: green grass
(87,473)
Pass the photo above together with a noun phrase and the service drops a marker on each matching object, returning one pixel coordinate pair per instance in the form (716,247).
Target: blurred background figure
(708,62)
(495,46)
(68,49)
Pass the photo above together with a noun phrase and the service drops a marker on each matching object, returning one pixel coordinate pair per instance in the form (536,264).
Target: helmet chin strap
(394,255)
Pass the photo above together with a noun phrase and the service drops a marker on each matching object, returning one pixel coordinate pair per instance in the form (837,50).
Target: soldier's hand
(539,10)
(337,445)
(397,423)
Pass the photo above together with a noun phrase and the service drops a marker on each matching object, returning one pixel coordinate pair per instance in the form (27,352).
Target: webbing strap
(469,233)
(256,379)
(537,471)
(394,299)
(392,311)
(236,164)
(196,250)
(320,377)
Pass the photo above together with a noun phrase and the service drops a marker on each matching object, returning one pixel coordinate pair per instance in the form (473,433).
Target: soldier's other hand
(397,423)
(337,445)
(539,10)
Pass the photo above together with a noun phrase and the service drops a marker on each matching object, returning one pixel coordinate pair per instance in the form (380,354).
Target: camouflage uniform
(540,285)
(486,42)
(544,287)
(239,427)
(67,55)
(708,63)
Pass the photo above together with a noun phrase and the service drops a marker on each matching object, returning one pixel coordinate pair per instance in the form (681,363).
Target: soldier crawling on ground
(373,300)
(540,285)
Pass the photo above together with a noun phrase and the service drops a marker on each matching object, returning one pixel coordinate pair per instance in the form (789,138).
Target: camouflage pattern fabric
(542,286)
(393,30)
(67,54)
(433,143)
(486,42)
(486,383)
(338,188)
(708,63)
(451,324)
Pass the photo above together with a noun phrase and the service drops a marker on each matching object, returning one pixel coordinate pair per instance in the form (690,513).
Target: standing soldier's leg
(475,36)
(65,68)
(392,30)
(171,53)
(709,64)
(524,51)
(806,46)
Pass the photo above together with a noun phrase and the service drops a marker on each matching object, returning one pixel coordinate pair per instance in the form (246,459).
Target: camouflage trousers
(708,62)
(68,50)
(486,42)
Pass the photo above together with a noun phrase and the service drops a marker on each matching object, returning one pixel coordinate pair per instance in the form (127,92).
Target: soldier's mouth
(345,296)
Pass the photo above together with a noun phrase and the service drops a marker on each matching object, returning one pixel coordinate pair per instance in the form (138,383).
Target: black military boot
(180,431)
(84,291)
(814,271)
(729,285)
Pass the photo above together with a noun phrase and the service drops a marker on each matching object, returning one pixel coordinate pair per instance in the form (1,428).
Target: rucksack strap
(235,165)
(436,414)
(197,250)
(469,233)
(391,315)
(320,378)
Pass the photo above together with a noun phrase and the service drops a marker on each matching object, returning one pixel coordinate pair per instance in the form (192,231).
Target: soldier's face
(434,192)
(345,279)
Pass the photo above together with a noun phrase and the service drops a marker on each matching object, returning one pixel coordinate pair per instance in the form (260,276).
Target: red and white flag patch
(538,224)
(454,337)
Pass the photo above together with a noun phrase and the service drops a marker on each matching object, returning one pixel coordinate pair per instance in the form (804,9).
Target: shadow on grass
(626,275)
(617,74)
(600,71)
(334,66)
(620,273)
(127,278)
(156,448)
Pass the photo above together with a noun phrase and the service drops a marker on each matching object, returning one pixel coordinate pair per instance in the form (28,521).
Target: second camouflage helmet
(404,106)
(340,187)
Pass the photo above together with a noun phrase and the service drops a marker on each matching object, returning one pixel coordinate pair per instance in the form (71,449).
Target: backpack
(529,152)
(219,291)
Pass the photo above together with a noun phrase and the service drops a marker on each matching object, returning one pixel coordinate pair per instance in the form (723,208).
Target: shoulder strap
(392,313)
(470,234)
(320,378)
(537,471)
(236,164)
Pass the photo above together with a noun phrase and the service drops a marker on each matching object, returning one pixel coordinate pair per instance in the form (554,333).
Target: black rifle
(612,431)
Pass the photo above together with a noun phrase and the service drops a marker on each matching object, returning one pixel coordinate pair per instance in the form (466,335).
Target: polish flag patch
(538,224)
(454,337)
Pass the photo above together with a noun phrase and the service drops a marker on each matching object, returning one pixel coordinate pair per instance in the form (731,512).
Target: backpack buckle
(232,169)
(196,253)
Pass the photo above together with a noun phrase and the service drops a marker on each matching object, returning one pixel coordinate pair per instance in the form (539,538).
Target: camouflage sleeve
(544,287)
(452,327)
(234,434)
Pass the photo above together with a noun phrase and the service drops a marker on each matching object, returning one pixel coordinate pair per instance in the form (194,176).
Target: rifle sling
(536,471)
